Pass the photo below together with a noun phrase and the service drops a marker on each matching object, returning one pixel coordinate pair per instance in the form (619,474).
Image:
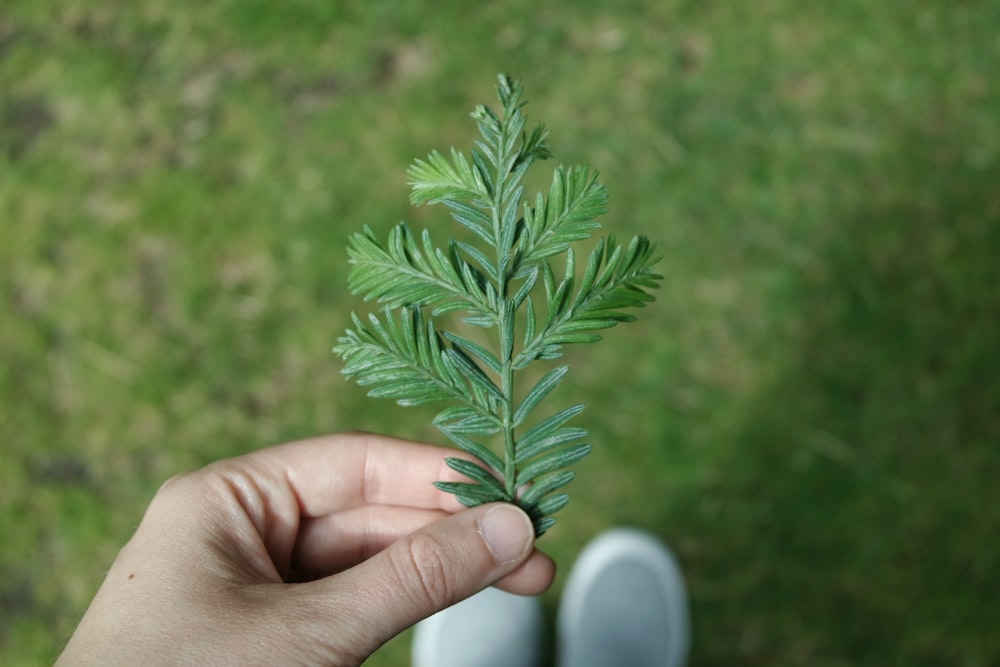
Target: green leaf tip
(506,284)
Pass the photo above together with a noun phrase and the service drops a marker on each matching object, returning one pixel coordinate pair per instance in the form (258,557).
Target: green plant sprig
(497,285)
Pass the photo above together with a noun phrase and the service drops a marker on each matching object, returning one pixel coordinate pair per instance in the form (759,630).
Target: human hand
(313,552)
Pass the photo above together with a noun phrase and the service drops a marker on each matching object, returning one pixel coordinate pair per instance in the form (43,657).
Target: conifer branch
(405,356)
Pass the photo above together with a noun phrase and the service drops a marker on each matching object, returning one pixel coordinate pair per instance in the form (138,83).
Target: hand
(313,552)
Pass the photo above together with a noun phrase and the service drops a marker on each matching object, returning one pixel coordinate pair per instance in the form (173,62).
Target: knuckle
(177,489)
(425,570)
(172,483)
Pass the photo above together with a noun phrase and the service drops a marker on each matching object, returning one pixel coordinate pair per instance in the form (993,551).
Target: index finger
(335,472)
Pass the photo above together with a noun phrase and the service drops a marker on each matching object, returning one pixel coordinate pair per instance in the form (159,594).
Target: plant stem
(505,312)
(508,429)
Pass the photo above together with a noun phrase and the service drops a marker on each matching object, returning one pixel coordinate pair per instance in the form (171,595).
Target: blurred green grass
(809,414)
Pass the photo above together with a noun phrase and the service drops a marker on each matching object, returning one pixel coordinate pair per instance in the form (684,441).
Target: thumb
(433,568)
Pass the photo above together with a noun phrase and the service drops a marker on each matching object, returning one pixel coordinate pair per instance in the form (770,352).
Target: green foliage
(506,285)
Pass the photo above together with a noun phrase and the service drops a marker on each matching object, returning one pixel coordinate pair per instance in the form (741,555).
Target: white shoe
(490,629)
(624,604)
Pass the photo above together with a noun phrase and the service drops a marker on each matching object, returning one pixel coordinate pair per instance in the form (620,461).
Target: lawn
(809,414)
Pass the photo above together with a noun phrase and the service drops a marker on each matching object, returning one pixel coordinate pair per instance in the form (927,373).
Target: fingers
(325,504)
(433,568)
(334,472)
(533,577)
(336,542)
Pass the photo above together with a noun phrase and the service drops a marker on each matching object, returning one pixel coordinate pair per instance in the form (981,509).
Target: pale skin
(314,553)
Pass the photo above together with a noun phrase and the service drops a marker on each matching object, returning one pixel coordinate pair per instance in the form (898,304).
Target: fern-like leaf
(505,285)
(408,272)
(575,199)
(438,180)
(405,360)
(615,279)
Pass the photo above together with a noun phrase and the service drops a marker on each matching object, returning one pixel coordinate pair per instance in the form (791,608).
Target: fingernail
(506,532)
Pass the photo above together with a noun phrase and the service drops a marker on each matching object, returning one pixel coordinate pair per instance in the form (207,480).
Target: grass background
(809,414)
